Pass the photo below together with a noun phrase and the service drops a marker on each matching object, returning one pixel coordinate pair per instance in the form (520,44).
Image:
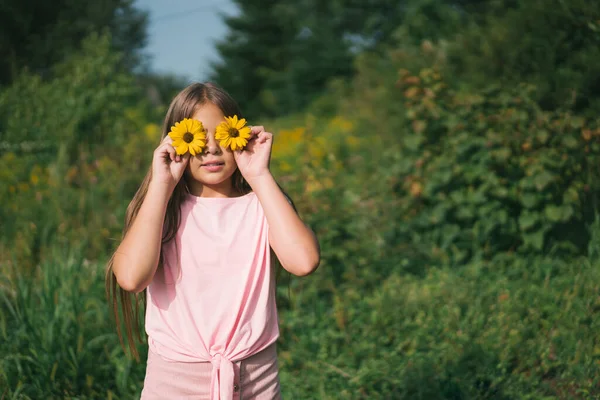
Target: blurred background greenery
(446,153)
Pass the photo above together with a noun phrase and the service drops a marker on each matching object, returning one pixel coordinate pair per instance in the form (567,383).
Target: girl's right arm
(136,258)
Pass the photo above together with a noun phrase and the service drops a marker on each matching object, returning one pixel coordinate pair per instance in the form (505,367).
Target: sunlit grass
(57,339)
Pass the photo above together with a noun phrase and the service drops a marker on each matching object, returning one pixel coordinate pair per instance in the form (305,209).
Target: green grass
(57,339)
(525,329)
(505,330)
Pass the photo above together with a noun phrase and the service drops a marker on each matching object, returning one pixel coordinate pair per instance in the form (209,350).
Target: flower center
(188,137)
(233,132)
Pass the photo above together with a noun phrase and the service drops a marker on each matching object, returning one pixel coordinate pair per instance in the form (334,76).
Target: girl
(197,242)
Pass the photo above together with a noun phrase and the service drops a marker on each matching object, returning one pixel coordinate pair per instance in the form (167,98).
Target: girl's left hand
(253,161)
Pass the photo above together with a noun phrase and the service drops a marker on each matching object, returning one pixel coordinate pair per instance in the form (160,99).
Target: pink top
(214,298)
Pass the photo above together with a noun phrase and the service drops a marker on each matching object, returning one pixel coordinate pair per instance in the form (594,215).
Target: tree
(35,34)
(550,43)
(255,47)
(279,55)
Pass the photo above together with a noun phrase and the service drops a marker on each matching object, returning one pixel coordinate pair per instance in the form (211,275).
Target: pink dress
(211,307)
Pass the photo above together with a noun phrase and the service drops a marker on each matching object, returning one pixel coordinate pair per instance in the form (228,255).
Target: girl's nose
(212,145)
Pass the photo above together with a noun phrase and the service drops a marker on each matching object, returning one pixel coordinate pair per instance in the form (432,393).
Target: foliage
(61,142)
(36,34)
(517,327)
(522,328)
(475,194)
(552,44)
(301,45)
(458,226)
(490,172)
(281,66)
(56,341)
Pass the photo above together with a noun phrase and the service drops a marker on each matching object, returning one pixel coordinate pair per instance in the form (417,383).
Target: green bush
(490,172)
(456,243)
(553,44)
(498,330)
(459,258)
(62,142)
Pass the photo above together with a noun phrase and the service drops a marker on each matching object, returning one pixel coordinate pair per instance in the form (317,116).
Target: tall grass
(519,329)
(57,339)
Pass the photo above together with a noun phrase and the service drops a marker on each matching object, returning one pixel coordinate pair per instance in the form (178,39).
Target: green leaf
(465,213)
(577,122)
(558,213)
(413,142)
(500,191)
(529,200)
(570,142)
(534,239)
(571,195)
(542,136)
(528,219)
(553,213)
(543,179)
(502,154)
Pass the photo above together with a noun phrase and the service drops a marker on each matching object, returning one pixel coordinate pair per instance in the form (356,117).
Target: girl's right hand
(167,165)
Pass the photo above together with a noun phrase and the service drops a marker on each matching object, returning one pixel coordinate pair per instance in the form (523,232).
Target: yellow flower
(352,141)
(188,135)
(232,133)
(152,131)
(416,189)
(285,166)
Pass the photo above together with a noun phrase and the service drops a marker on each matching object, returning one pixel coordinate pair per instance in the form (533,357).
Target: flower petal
(198,145)
(175,134)
(222,131)
(245,132)
(182,149)
(241,123)
(199,136)
(241,143)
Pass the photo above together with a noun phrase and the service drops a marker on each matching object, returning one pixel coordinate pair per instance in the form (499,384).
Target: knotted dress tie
(222,378)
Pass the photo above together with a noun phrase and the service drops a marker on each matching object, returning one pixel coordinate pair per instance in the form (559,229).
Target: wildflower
(232,133)
(416,189)
(188,135)
(586,134)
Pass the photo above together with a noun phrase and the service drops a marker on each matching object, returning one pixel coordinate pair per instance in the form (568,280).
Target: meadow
(458,225)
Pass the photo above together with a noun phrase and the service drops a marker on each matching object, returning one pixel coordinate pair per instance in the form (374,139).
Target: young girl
(197,242)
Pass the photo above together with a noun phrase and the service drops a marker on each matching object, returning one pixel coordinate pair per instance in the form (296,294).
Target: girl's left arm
(294,243)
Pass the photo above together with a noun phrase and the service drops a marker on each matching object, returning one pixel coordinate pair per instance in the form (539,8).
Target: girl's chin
(211,178)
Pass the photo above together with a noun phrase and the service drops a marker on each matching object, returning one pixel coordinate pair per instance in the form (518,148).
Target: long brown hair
(184,105)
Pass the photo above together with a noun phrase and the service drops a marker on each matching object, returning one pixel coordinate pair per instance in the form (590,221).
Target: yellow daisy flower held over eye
(188,135)
(233,133)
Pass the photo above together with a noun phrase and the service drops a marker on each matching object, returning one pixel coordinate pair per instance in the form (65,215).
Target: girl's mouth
(213,166)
